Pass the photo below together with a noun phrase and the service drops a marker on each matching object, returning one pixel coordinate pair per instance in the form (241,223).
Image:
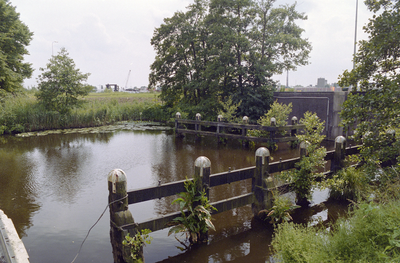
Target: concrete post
(340,151)
(220,129)
(202,171)
(177,118)
(272,133)
(197,125)
(294,122)
(303,148)
(258,183)
(273,122)
(119,216)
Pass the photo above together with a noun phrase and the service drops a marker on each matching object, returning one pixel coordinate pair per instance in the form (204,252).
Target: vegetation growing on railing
(229,109)
(137,242)
(280,112)
(280,211)
(348,184)
(195,219)
(306,172)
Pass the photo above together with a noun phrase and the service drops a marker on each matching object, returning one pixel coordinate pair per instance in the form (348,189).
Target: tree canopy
(61,84)
(14,38)
(221,49)
(374,103)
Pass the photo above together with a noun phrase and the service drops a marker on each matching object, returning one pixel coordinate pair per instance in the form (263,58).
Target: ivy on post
(259,179)
(340,151)
(119,216)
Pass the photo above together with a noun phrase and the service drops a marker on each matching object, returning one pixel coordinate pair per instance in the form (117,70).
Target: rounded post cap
(391,132)
(304,144)
(294,118)
(178,115)
(273,119)
(198,115)
(262,152)
(340,139)
(220,117)
(202,162)
(245,118)
(117,175)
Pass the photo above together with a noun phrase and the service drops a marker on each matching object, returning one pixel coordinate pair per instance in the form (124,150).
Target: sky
(110,38)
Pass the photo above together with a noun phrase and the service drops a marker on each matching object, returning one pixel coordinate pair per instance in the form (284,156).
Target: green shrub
(349,183)
(195,219)
(307,169)
(370,234)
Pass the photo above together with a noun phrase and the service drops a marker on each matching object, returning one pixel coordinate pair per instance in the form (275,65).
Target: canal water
(54,188)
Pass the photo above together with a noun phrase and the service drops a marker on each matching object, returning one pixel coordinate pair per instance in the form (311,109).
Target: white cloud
(110,37)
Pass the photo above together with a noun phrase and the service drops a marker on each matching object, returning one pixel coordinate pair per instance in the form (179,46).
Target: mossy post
(202,171)
(340,153)
(261,180)
(119,216)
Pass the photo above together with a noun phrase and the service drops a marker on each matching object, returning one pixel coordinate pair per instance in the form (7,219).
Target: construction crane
(127,79)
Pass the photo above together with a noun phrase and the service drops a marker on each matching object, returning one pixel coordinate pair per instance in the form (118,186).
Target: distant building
(321,82)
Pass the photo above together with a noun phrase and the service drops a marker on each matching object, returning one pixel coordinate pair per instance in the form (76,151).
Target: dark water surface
(54,188)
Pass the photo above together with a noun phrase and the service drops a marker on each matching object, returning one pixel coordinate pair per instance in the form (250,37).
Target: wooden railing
(238,131)
(260,196)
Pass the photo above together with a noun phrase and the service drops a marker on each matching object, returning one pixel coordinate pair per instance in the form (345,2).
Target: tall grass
(24,114)
(371,234)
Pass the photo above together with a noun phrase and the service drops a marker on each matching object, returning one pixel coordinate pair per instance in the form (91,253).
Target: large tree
(226,49)
(61,84)
(374,102)
(14,38)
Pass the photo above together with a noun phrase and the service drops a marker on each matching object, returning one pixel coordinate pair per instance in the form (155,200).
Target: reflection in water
(55,187)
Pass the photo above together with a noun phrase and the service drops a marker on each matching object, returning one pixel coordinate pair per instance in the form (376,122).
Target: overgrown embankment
(24,114)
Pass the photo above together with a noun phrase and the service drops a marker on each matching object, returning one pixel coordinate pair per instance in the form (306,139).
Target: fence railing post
(245,142)
(177,118)
(272,133)
(202,171)
(119,216)
(294,122)
(340,151)
(258,182)
(198,120)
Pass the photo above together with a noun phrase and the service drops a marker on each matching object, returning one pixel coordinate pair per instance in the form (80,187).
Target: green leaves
(219,50)
(376,109)
(137,242)
(306,172)
(61,84)
(195,219)
(14,37)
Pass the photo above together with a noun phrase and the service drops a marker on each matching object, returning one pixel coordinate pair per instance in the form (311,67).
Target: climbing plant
(137,242)
(306,172)
(195,219)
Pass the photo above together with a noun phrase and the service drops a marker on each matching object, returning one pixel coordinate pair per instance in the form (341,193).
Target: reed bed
(25,114)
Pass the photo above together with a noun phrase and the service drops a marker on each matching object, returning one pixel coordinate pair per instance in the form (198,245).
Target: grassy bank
(24,114)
